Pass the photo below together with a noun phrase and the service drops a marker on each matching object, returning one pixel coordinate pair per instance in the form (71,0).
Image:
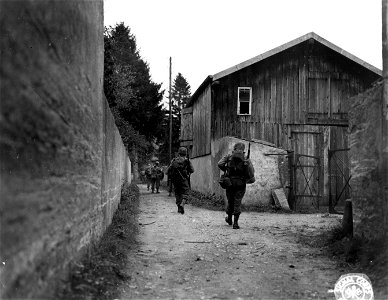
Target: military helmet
(182,151)
(239,147)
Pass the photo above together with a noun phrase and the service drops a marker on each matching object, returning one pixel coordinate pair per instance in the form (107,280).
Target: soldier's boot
(228,219)
(235,224)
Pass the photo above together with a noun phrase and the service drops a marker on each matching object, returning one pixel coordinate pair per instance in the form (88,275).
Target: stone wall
(62,161)
(202,180)
(384,159)
(206,175)
(368,120)
(367,182)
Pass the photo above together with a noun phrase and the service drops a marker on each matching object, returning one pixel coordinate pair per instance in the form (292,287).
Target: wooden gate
(307,170)
(339,177)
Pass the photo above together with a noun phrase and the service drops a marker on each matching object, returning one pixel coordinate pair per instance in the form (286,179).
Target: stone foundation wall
(62,161)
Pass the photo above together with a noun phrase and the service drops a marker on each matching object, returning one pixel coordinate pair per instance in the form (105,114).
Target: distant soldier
(169,178)
(142,176)
(241,172)
(181,168)
(157,175)
(148,176)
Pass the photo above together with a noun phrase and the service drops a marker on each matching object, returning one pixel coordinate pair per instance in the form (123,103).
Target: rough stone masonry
(62,158)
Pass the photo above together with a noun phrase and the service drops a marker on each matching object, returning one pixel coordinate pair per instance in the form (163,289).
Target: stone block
(280,198)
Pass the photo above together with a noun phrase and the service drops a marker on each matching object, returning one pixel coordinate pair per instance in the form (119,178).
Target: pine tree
(180,92)
(180,96)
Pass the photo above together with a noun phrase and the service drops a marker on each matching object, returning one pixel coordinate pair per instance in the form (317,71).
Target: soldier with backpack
(180,169)
(240,171)
(157,175)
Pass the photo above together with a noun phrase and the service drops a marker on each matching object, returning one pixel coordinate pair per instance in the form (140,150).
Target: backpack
(237,170)
(179,170)
(148,172)
(159,173)
(154,172)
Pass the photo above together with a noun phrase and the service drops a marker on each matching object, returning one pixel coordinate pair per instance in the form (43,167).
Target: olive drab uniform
(240,172)
(148,176)
(157,175)
(180,169)
(169,180)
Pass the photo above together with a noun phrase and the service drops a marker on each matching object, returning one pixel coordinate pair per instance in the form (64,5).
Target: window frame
(238,100)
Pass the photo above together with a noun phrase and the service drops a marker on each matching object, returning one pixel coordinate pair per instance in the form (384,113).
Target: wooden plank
(295,90)
(279,90)
(278,111)
(280,198)
(291,92)
(329,104)
(284,89)
(195,129)
(208,120)
(304,97)
(268,97)
(262,99)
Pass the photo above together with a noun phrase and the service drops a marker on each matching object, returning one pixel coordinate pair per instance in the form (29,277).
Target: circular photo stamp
(353,286)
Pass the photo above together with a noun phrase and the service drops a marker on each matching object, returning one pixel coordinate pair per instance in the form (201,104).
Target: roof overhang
(290,44)
(200,89)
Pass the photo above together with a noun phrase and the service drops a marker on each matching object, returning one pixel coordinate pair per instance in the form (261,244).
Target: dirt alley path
(198,256)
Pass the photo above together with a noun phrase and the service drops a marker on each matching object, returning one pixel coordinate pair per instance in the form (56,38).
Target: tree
(180,92)
(134,99)
(180,95)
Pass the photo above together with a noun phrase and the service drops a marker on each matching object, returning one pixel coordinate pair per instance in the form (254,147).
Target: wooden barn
(295,97)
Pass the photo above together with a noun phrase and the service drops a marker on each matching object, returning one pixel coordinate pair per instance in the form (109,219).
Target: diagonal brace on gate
(308,180)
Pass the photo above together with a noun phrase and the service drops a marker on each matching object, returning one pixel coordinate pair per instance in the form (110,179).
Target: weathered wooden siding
(186,134)
(296,95)
(300,100)
(202,124)
(306,84)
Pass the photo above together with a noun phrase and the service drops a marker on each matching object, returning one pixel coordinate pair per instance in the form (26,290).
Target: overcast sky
(204,37)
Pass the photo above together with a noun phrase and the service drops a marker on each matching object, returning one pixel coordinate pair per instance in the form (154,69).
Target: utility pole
(170,117)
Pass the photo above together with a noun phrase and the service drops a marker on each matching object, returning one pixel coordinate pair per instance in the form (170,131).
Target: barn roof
(282,48)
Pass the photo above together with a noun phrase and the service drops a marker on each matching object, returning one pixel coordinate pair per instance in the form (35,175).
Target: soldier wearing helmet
(157,175)
(240,171)
(180,170)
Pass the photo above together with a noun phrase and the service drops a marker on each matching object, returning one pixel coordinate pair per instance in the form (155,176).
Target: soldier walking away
(241,172)
(181,168)
(142,176)
(169,177)
(148,176)
(157,175)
